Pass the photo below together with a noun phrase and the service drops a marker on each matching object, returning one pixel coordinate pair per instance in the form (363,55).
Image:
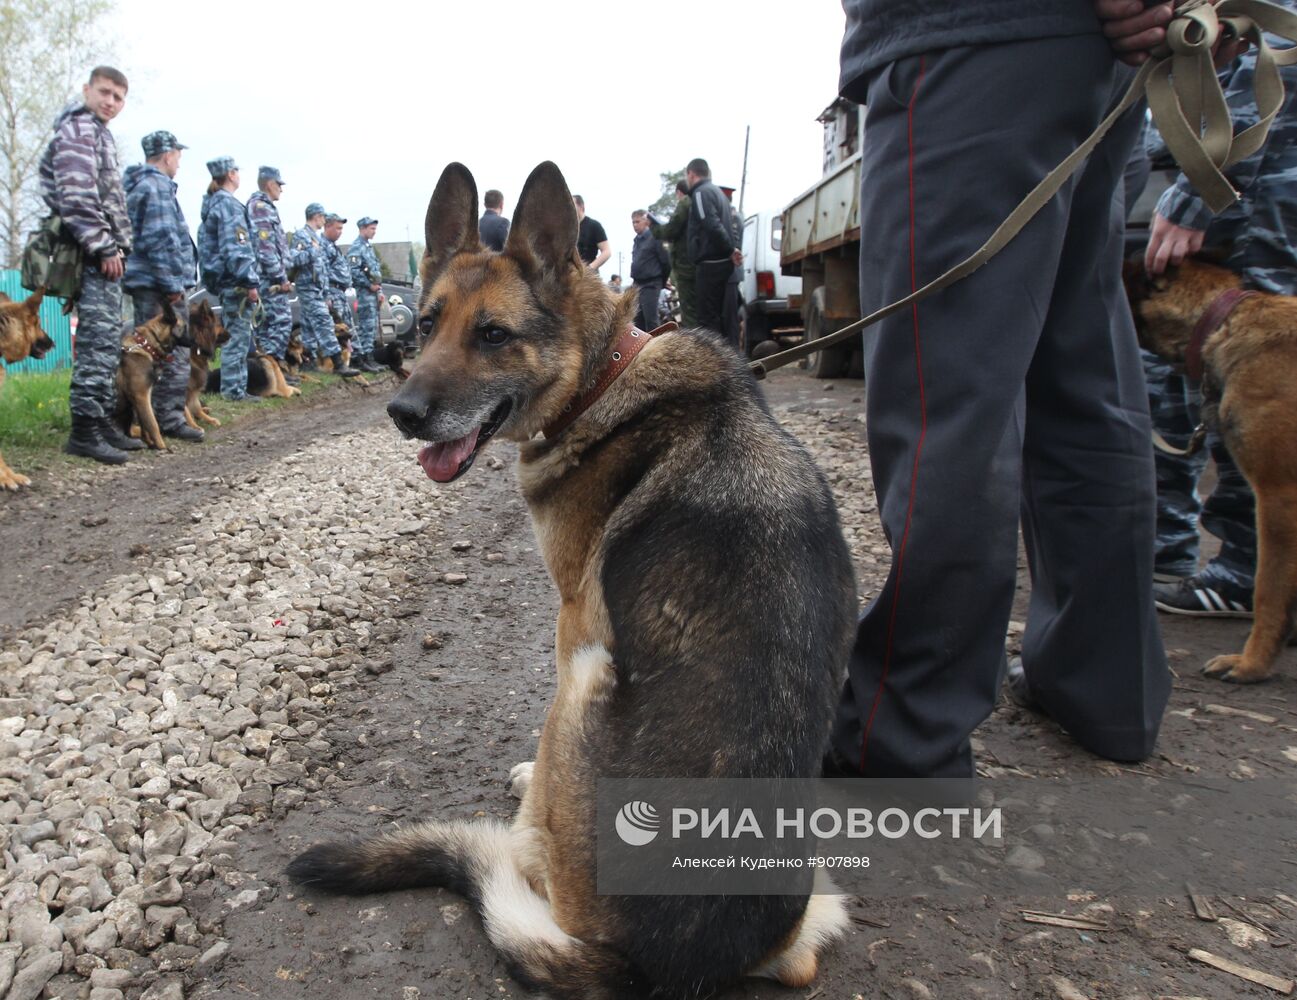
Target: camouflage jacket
(673,232)
(1258,233)
(365,268)
(307,256)
(268,239)
(163,258)
(225,252)
(81,184)
(339,269)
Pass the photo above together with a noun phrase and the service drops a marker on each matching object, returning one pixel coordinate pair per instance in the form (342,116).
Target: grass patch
(224,410)
(35,419)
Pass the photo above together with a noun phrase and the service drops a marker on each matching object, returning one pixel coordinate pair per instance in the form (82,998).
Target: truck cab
(771,299)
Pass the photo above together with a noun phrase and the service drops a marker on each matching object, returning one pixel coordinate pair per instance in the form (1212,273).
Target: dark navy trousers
(1017,392)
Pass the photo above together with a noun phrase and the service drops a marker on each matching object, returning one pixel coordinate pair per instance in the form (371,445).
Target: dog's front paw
(10,480)
(520,778)
(1236,670)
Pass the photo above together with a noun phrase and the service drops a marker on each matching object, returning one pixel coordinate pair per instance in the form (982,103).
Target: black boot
(366,364)
(115,437)
(86,441)
(340,369)
(181,431)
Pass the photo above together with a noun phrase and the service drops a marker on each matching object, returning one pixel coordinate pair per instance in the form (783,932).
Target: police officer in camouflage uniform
(311,276)
(229,266)
(1257,238)
(276,317)
(367,276)
(81,184)
(161,268)
(339,272)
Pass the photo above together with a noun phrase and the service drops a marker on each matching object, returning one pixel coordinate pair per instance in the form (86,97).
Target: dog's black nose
(408,414)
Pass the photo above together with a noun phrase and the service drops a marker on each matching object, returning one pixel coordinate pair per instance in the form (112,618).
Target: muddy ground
(472,676)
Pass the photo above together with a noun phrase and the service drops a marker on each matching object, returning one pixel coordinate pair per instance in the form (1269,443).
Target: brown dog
(21,337)
(343,334)
(207,333)
(145,350)
(661,487)
(1249,387)
(265,378)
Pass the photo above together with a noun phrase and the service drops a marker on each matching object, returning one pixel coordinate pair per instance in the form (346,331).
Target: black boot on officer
(339,368)
(86,440)
(115,437)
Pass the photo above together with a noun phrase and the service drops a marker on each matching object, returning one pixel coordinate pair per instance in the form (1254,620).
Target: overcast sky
(361,105)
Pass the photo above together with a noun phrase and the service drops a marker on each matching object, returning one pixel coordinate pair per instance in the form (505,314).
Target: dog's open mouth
(446,461)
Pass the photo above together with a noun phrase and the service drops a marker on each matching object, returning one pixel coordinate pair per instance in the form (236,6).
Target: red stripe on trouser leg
(918,450)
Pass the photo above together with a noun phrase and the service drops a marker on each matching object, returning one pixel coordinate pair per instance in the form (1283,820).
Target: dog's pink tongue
(442,460)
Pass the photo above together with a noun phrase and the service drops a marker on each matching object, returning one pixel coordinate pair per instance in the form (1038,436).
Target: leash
(1213,317)
(255,313)
(1189,109)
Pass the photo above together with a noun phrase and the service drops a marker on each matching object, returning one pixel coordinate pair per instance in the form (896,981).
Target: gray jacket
(881,31)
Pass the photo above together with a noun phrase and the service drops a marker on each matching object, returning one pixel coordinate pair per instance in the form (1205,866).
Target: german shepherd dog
(392,356)
(206,332)
(265,378)
(672,494)
(1249,391)
(144,352)
(342,333)
(21,337)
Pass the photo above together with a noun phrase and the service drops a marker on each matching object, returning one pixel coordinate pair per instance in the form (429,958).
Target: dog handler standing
(1016,390)
(276,325)
(229,267)
(367,276)
(161,267)
(81,184)
(312,281)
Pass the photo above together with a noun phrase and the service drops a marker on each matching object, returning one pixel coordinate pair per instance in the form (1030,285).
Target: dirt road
(471,678)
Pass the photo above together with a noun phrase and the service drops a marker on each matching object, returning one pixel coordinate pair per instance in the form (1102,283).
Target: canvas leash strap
(1188,108)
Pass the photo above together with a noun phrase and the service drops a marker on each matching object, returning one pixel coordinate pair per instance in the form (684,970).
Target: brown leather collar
(1208,323)
(624,351)
(157,356)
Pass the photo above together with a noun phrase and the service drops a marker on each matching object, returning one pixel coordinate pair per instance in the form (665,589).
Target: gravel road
(214,657)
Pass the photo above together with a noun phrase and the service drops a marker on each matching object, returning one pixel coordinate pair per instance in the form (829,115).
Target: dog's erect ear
(33,301)
(168,313)
(450,226)
(544,222)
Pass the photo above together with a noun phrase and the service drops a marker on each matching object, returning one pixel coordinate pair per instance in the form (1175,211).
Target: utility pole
(743,182)
(623,277)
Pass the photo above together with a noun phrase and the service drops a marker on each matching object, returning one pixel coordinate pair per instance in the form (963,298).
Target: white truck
(771,307)
(821,242)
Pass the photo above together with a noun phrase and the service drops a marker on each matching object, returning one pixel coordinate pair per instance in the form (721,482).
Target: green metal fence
(58,326)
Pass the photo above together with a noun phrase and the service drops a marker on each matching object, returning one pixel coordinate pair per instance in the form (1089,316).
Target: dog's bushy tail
(474,860)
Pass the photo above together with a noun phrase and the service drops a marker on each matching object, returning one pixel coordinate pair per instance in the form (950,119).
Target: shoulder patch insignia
(240,234)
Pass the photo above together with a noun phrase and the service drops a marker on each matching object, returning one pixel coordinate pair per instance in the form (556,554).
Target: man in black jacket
(712,246)
(493,227)
(649,266)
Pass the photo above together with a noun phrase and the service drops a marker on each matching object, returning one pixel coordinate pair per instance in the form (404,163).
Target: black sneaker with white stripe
(1199,599)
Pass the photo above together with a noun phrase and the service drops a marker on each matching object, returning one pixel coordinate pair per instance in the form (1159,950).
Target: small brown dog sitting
(207,333)
(21,337)
(1243,345)
(144,351)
